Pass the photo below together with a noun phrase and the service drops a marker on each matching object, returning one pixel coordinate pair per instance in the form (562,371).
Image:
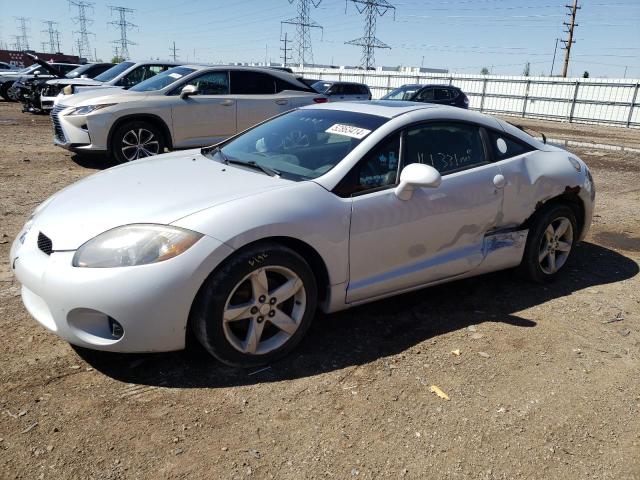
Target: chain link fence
(581,100)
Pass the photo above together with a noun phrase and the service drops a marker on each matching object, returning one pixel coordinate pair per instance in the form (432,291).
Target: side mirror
(187,91)
(417,175)
(36,73)
(84,76)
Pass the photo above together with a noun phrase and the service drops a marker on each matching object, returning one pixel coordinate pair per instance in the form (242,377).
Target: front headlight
(134,245)
(88,109)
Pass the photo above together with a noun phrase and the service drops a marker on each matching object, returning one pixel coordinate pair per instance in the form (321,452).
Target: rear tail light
(466,100)
(320,100)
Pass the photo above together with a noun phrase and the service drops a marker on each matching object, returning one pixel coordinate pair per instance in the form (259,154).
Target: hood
(99,96)
(49,68)
(84,82)
(161,190)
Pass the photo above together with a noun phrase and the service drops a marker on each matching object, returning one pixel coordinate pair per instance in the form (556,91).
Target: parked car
(40,70)
(327,206)
(343,91)
(34,88)
(440,94)
(4,66)
(122,76)
(184,107)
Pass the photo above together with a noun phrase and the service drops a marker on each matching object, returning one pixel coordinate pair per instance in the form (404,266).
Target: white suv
(184,107)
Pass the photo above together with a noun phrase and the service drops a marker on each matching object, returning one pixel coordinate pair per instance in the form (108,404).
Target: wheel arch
(155,120)
(571,198)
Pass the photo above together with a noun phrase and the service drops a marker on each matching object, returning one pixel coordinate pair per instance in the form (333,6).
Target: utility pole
(84,49)
(567,43)
(125,26)
(285,50)
(174,51)
(22,33)
(304,24)
(372,9)
(51,33)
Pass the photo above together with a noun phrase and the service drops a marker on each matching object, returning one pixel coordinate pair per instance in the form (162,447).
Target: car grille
(57,129)
(44,243)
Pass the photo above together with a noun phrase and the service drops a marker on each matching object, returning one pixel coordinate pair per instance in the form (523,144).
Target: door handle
(282,101)
(499,181)
(227,103)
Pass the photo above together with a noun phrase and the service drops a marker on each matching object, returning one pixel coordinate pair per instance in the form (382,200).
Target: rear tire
(4,91)
(257,307)
(550,243)
(135,140)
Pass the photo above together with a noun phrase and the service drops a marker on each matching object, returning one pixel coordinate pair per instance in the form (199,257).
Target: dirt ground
(546,386)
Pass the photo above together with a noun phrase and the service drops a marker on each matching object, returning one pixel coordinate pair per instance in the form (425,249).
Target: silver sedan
(326,207)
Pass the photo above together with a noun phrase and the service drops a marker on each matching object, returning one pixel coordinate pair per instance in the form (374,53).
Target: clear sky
(462,35)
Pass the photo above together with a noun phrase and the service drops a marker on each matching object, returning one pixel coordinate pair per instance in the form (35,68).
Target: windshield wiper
(256,166)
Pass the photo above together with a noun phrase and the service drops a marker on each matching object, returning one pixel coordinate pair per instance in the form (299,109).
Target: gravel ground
(545,386)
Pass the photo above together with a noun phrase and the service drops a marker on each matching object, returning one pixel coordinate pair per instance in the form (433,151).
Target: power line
(22,39)
(567,43)
(372,9)
(82,40)
(125,26)
(303,22)
(51,33)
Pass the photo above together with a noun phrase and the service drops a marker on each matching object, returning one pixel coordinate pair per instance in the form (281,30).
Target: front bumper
(80,133)
(150,302)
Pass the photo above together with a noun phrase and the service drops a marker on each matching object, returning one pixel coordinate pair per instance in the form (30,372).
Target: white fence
(580,100)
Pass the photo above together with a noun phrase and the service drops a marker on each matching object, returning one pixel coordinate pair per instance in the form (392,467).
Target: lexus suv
(184,107)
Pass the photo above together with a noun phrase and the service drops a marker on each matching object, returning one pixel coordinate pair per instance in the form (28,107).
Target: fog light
(116,329)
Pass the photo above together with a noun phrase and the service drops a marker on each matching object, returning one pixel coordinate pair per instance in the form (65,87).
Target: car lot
(545,385)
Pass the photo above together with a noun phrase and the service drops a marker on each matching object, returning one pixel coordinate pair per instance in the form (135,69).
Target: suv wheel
(135,140)
(257,307)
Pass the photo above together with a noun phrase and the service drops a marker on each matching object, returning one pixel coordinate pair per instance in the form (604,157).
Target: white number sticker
(348,131)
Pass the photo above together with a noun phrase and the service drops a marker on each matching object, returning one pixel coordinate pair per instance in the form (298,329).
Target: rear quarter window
(504,146)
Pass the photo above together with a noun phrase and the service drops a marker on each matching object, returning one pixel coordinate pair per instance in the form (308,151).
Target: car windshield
(76,72)
(162,80)
(302,144)
(321,87)
(113,72)
(402,93)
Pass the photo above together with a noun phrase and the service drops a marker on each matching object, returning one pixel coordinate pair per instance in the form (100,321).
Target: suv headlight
(88,109)
(131,245)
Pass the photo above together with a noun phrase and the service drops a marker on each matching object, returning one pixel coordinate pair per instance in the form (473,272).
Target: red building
(19,59)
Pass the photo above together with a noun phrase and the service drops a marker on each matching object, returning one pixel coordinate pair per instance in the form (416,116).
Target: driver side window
(211,83)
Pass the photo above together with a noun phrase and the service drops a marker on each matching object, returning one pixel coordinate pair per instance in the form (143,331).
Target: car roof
(284,75)
(410,85)
(381,108)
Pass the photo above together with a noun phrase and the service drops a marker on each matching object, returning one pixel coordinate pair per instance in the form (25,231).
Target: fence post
(339,76)
(484,90)
(633,104)
(573,102)
(388,83)
(526,97)
(450,81)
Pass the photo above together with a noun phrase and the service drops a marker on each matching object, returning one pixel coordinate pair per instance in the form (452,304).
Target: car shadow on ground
(93,161)
(379,329)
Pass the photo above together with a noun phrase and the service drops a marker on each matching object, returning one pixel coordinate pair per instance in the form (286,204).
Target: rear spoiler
(524,129)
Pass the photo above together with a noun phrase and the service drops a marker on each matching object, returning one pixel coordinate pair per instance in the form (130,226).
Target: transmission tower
(51,33)
(573,10)
(372,9)
(303,51)
(174,51)
(23,42)
(125,26)
(57,32)
(285,50)
(84,48)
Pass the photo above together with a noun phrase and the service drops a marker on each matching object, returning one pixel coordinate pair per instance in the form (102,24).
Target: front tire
(4,90)
(134,140)
(257,307)
(550,243)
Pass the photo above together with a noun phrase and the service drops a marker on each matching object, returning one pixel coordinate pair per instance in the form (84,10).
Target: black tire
(206,319)
(129,131)
(532,267)
(4,91)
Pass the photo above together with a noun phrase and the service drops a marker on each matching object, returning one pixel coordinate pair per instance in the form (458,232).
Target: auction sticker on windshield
(348,131)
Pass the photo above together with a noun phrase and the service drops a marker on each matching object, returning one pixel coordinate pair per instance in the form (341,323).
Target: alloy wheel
(555,245)
(264,310)
(139,143)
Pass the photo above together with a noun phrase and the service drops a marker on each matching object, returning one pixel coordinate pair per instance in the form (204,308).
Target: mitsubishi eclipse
(327,206)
